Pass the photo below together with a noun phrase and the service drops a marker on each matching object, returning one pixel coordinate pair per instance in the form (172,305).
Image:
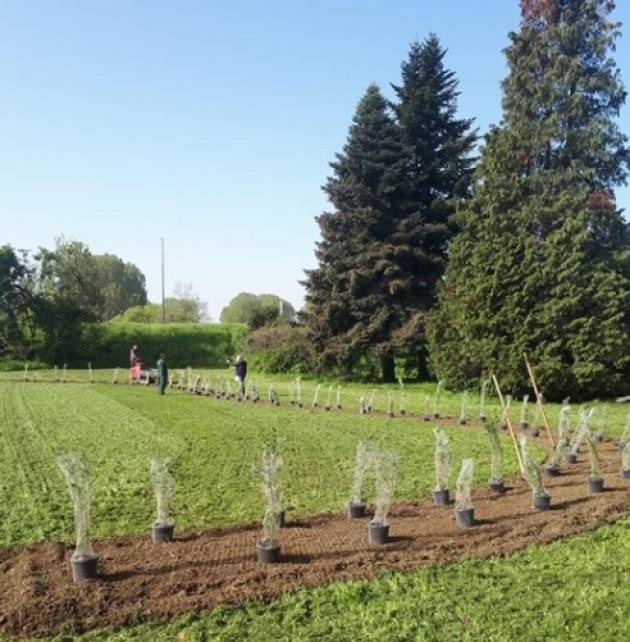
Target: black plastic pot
(570,458)
(622,445)
(535,432)
(426,417)
(402,412)
(390,415)
(84,567)
(268,554)
(462,422)
(327,408)
(523,425)
(553,470)
(280,519)
(504,425)
(436,415)
(356,510)
(465,518)
(625,473)
(339,406)
(599,437)
(441,497)
(497,487)
(162,533)
(378,533)
(595,485)
(541,502)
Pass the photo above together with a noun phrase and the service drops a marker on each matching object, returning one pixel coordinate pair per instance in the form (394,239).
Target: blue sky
(211,123)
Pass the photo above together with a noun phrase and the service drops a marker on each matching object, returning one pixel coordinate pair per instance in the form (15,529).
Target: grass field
(572,590)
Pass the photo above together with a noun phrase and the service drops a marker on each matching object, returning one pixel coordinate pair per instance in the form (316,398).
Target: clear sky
(211,123)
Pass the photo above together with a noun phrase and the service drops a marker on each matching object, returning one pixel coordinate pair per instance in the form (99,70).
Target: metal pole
(163,307)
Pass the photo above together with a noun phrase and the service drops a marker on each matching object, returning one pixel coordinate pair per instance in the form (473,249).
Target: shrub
(442,459)
(279,348)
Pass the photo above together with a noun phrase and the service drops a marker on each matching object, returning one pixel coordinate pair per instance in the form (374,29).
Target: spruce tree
(541,262)
(380,258)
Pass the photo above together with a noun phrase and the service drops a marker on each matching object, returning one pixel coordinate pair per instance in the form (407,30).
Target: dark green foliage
(257,309)
(383,247)
(541,263)
(279,347)
(185,344)
(122,285)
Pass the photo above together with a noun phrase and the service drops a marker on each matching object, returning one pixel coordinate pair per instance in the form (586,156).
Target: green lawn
(215,443)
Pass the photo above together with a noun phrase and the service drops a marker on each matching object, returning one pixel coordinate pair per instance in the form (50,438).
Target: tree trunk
(388,368)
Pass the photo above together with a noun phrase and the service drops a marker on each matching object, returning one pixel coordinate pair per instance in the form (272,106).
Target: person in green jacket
(162,375)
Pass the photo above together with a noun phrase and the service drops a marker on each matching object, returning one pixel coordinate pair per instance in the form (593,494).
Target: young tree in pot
(298,392)
(601,424)
(385,475)
(338,399)
(506,413)
(562,443)
(329,398)
(625,435)
(268,473)
(390,405)
(625,461)
(163,487)
(495,482)
(524,420)
(401,402)
(541,500)
(442,459)
(485,385)
(426,410)
(370,404)
(315,402)
(580,435)
(84,560)
(64,373)
(595,481)
(356,507)
(436,400)
(463,409)
(115,376)
(253,393)
(56,374)
(362,406)
(464,510)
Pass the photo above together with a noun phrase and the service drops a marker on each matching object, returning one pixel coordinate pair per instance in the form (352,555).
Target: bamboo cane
(539,400)
(509,423)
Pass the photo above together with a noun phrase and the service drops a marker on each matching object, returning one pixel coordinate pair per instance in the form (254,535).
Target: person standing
(134,356)
(162,374)
(240,369)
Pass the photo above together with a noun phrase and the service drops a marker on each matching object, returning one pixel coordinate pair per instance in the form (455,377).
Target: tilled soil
(141,581)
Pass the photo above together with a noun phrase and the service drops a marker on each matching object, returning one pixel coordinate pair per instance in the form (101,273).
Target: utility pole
(163,308)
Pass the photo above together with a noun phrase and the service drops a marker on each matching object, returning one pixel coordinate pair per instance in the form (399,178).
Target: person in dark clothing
(240,370)
(162,374)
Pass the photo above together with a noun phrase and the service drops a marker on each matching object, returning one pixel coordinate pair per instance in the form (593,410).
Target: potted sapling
(482,399)
(84,561)
(524,420)
(541,499)
(292,394)
(338,398)
(505,414)
(329,398)
(442,459)
(115,375)
(370,404)
(625,435)
(426,409)
(90,373)
(57,379)
(602,422)
(64,372)
(464,509)
(163,487)
(401,402)
(390,405)
(463,409)
(253,393)
(171,380)
(496,456)
(298,392)
(26,372)
(579,436)
(595,482)
(268,473)
(385,478)
(315,402)
(625,462)
(356,506)
(436,400)
(362,406)
(562,444)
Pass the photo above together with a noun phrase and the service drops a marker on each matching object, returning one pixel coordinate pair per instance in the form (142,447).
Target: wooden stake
(506,414)
(539,400)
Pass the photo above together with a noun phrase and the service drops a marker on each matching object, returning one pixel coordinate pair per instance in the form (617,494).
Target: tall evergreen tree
(541,263)
(383,249)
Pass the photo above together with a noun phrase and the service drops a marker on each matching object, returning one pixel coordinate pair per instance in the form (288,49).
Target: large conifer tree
(541,263)
(378,267)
